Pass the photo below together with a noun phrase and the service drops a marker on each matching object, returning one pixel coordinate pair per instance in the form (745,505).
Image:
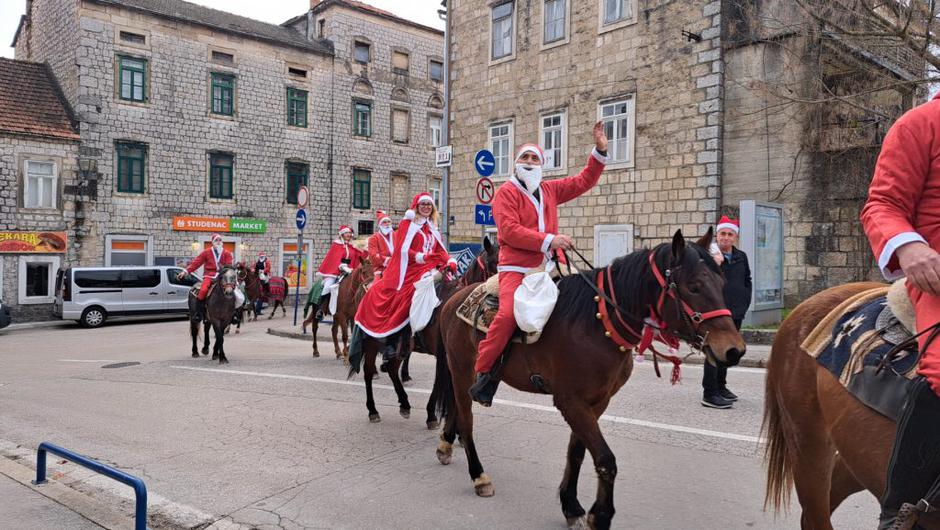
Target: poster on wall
(289,264)
(32,242)
(768,247)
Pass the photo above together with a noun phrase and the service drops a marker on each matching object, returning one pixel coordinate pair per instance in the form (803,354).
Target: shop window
(127,251)
(37,279)
(288,261)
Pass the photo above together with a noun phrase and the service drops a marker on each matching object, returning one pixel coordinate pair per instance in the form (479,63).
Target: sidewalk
(26,509)
(756,356)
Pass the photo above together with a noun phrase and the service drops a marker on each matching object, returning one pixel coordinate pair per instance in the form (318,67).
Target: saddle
(854,339)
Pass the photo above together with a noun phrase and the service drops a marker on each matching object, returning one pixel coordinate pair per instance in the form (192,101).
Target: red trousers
(927,310)
(204,288)
(504,324)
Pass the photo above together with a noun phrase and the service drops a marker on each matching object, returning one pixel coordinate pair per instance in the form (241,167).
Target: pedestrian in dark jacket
(737,295)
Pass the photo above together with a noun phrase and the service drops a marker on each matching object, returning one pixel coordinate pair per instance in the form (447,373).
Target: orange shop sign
(32,242)
(220,224)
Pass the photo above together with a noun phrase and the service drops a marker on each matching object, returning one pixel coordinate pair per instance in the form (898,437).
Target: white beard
(386,230)
(531,176)
(218,247)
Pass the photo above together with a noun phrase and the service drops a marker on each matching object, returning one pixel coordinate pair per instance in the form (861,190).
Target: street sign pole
(301,220)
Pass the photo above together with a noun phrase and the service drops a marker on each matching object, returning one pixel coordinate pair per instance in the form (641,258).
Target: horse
(351,291)
(582,357)
(820,439)
(254,288)
(275,292)
(219,311)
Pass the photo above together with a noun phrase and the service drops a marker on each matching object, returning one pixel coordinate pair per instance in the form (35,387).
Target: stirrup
(909,514)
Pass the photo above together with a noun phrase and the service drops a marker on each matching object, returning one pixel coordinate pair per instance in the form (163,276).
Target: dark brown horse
(820,439)
(351,291)
(254,288)
(219,311)
(581,367)
(275,292)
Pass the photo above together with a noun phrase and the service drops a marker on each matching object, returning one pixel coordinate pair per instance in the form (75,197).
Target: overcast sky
(273,11)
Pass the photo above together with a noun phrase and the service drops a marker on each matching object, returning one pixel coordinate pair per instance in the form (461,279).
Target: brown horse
(275,292)
(820,439)
(218,312)
(351,291)
(576,362)
(254,288)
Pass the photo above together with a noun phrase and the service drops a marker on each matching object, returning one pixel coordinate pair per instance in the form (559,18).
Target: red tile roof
(31,102)
(366,8)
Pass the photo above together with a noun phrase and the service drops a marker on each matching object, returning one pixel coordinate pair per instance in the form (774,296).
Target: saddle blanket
(479,309)
(277,289)
(851,341)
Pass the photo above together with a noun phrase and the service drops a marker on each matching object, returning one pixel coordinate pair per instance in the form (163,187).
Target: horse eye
(694,288)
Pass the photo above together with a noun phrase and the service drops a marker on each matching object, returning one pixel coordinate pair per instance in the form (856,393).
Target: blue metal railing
(140,489)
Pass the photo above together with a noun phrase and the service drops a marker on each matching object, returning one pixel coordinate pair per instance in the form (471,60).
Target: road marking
(88,361)
(517,404)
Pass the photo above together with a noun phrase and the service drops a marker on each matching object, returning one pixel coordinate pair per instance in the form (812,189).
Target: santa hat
(421,197)
(731,224)
(381,216)
(261,254)
(343,229)
(216,237)
(530,148)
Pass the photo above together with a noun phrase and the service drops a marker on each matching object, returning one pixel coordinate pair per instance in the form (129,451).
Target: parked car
(5,318)
(92,295)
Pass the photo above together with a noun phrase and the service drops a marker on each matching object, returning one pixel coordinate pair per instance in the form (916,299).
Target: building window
(40,185)
(436,70)
(435,124)
(434,188)
(296,107)
(362,119)
(362,189)
(37,279)
(502,31)
(618,118)
(223,94)
(362,52)
(321,28)
(400,62)
(298,174)
(553,140)
(125,251)
(220,176)
(617,11)
(131,163)
(554,20)
(218,57)
(133,78)
(365,228)
(400,119)
(400,187)
(500,142)
(133,38)
(297,72)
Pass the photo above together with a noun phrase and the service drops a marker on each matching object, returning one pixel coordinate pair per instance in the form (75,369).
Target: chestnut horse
(820,439)
(351,291)
(576,362)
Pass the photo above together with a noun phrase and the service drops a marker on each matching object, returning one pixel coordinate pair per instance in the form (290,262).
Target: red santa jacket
(904,198)
(339,251)
(418,249)
(380,250)
(207,260)
(266,268)
(527,225)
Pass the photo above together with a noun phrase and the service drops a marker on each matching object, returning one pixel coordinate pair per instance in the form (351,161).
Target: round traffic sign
(303,195)
(484,162)
(301,219)
(485,190)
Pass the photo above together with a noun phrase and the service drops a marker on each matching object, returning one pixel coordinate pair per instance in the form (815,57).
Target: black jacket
(737,283)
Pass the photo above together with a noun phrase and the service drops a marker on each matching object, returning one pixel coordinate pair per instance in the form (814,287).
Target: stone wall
(50,36)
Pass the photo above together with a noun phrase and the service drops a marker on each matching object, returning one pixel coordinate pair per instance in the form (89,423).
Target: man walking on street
(737,295)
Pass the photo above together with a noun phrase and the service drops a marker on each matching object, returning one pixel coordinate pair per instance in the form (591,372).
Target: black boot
(915,458)
(200,314)
(389,352)
(484,389)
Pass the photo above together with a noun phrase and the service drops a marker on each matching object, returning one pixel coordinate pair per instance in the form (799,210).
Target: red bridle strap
(669,289)
(604,316)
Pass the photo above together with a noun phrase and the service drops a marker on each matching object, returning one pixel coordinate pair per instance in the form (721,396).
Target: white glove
(345,268)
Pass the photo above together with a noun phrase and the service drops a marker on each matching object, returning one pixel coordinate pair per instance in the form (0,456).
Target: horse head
(489,257)
(365,271)
(227,279)
(691,300)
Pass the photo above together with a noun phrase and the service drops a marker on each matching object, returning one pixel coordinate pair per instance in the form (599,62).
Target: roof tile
(31,102)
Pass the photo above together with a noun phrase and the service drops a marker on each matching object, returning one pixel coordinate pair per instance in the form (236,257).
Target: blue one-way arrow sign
(484,163)
(483,215)
(301,219)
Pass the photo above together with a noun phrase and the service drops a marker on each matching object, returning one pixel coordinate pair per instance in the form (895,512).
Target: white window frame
(512,22)
(603,27)
(55,184)
(437,133)
(111,238)
(54,264)
(434,188)
(2,262)
(561,166)
(562,41)
(630,115)
(509,146)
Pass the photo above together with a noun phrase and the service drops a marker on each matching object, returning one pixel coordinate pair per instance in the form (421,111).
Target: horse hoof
(578,523)
(406,380)
(205,351)
(237,331)
(405,413)
(374,418)
(316,353)
(445,453)
(215,357)
(434,424)
(483,486)
(196,354)
(223,360)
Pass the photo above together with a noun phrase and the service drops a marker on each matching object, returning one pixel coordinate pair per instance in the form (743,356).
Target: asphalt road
(277,439)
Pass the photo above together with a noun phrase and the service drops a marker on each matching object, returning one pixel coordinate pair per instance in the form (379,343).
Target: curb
(38,325)
(759,336)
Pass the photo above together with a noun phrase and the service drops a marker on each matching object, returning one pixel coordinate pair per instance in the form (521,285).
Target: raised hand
(600,137)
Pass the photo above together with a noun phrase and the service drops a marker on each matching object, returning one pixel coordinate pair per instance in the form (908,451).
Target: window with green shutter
(220,176)
(296,107)
(133,78)
(223,94)
(131,163)
(362,118)
(362,189)
(297,176)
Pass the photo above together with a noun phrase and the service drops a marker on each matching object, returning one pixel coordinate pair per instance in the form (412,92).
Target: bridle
(691,318)
(226,284)
(484,272)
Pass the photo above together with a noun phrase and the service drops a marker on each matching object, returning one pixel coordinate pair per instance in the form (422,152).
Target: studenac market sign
(220,224)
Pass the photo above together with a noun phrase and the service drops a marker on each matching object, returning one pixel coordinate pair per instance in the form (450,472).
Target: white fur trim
(410,215)
(729,226)
(529,148)
(425,197)
(547,242)
(891,247)
(451,260)
(420,258)
(599,157)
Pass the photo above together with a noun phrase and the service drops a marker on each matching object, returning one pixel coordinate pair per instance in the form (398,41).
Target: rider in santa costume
(381,243)
(339,261)
(263,270)
(211,260)
(526,214)
(902,221)
(419,249)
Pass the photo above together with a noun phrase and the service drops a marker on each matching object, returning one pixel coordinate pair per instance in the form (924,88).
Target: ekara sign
(220,224)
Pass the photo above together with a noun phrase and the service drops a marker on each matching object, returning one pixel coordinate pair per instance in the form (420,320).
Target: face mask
(386,230)
(531,176)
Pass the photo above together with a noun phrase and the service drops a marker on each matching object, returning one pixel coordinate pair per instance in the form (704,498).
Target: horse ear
(706,240)
(487,245)
(678,246)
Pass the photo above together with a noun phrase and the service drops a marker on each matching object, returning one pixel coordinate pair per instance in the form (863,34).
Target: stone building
(197,121)
(38,186)
(682,88)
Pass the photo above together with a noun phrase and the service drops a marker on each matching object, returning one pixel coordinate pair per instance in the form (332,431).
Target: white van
(91,295)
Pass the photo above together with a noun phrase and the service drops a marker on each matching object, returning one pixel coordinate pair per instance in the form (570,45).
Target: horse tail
(778,455)
(444,387)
